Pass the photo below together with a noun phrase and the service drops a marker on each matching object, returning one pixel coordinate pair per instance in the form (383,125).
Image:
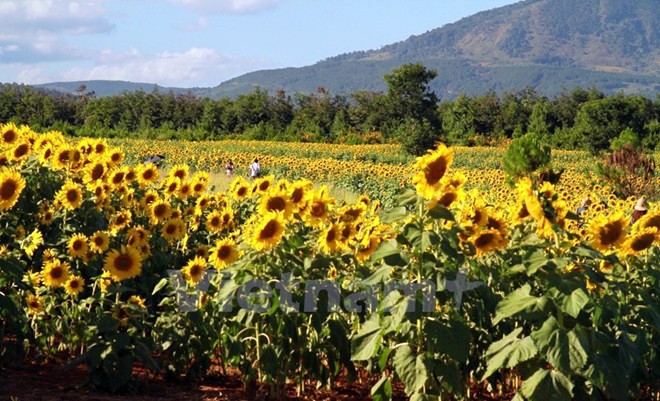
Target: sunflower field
(458,279)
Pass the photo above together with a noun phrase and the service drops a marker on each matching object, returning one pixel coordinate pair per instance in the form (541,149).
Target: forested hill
(546,44)
(550,45)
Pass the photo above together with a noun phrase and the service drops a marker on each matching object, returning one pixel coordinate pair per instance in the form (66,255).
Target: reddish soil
(49,382)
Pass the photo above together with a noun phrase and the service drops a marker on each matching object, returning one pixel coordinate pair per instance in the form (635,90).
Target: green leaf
(453,340)
(578,346)
(575,302)
(410,368)
(441,212)
(509,352)
(606,374)
(407,197)
(516,302)
(367,340)
(379,276)
(390,253)
(393,215)
(162,283)
(547,385)
(552,340)
(382,390)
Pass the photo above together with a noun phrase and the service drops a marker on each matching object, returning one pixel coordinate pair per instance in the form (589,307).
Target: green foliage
(526,155)
(417,137)
(627,138)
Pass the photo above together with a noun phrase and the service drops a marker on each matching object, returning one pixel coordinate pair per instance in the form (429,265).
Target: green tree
(526,155)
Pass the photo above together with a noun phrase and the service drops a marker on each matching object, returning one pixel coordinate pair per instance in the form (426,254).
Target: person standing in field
(255,169)
(230,168)
(640,209)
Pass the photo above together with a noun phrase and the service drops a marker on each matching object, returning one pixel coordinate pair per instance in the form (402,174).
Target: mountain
(107,88)
(550,45)
(546,44)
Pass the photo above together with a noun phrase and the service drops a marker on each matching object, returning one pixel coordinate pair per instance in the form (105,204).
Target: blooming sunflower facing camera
(123,264)
(430,170)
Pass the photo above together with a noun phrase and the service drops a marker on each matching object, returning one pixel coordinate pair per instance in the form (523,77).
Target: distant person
(255,169)
(586,202)
(640,209)
(155,159)
(230,168)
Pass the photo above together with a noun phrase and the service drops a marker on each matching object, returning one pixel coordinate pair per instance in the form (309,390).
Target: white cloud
(35,28)
(228,6)
(199,25)
(194,67)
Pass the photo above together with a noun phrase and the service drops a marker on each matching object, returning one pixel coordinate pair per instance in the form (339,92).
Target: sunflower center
(72,195)
(610,233)
(21,150)
(269,230)
(297,195)
(484,240)
(241,191)
(224,252)
(318,209)
(196,270)
(180,174)
(74,284)
(78,245)
(331,236)
(123,262)
(170,229)
(653,222)
(447,199)
(642,242)
(8,189)
(435,170)
(56,272)
(118,178)
(198,188)
(97,172)
(98,241)
(264,185)
(9,136)
(160,210)
(276,204)
(148,175)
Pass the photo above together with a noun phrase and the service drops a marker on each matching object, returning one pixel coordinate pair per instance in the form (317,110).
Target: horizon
(201,43)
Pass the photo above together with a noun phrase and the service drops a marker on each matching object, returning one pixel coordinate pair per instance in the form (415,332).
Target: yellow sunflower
(320,205)
(11,186)
(330,239)
(10,134)
(159,211)
(70,195)
(77,246)
(239,189)
(649,220)
(194,270)
(55,273)
(430,170)
(74,285)
(99,242)
(222,254)
(35,304)
(606,232)
(179,171)
(276,201)
(123,264)
(640,241)
(266,231)
(32,242)
(173,230)
(147,174)
(487,240)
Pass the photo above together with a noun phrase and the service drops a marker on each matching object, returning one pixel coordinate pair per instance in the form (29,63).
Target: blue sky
(202,43)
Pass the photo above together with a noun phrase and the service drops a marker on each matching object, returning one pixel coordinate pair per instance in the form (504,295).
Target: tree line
(408,112)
